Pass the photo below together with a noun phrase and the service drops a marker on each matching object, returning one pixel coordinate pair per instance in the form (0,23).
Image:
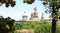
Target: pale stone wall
(26,31)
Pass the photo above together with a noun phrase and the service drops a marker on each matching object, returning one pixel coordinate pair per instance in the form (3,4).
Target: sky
(18,10)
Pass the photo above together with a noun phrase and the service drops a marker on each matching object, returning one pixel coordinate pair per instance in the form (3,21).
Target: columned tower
(42,17)
(34,15)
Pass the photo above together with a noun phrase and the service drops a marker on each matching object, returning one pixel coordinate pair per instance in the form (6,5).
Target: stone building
(42,17)
(24,17)
(34,15)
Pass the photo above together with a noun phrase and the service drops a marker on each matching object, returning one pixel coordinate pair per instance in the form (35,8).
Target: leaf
(28,1)
(7,5)
(13,4)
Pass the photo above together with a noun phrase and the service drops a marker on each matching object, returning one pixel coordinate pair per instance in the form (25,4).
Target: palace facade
(34,17)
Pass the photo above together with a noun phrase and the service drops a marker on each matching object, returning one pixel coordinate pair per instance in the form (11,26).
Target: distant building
(24,17)
(34,15)
(42,17)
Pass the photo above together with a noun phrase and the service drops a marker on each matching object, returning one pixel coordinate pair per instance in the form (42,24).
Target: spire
(42,16)
(35,9)
(24,11)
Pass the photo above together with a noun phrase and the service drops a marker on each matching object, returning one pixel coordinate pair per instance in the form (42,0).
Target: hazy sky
(17,11)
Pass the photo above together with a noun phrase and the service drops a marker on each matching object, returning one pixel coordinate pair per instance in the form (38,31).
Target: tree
(6,25)
(7,3)
(54,6)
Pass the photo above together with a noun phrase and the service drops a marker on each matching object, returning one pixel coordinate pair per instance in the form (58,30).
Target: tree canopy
(8,3)
(6,25)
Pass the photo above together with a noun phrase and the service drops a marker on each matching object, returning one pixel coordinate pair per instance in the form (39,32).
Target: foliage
(38,27)
(7,3)
(28,1)
(6,25)
(53,8)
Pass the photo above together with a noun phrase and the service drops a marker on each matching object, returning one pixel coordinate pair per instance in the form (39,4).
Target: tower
(24,17)
(35,9)
(34,15)
(42,18)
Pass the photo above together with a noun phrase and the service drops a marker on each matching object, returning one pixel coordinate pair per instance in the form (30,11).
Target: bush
(38,27)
